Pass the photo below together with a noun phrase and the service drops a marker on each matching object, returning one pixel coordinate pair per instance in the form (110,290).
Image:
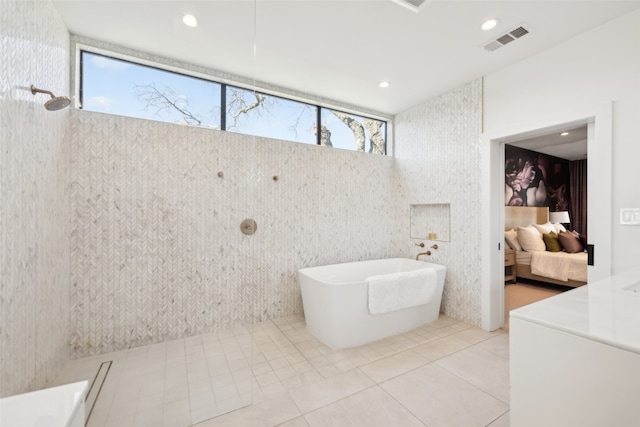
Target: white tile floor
(447,373)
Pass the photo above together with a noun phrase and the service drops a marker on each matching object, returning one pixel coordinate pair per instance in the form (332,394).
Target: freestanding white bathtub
(335,301)
(61,406)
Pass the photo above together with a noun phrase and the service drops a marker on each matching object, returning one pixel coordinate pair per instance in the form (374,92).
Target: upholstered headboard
(521,216)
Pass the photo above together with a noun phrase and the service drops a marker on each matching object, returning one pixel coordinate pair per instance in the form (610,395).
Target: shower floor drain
(96,387)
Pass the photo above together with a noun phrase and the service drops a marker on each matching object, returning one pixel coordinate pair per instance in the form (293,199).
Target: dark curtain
(578,194)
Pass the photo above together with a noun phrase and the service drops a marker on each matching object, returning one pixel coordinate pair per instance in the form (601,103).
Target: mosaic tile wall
(34,198)
(437,152)
(153,232)
(156,248)
(157,251)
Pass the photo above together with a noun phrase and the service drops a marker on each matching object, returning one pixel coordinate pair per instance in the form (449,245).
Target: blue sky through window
(113,86)
(279,118)
(124,88)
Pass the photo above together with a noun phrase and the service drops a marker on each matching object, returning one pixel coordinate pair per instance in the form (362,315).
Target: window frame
(81,48)
(280,96)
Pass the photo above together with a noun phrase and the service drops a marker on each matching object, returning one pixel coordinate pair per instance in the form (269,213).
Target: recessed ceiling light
(384,84)
(190,21)
(489,24)
(564,134)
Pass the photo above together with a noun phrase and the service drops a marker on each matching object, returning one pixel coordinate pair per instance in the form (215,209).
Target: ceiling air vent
(507,38)
(414,5)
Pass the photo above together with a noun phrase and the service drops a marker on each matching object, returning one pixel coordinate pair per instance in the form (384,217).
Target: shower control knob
(248,226)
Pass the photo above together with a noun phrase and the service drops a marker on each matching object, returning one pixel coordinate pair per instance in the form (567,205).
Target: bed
(560,268)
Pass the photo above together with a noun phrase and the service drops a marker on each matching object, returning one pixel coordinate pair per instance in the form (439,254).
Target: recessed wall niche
(430,221)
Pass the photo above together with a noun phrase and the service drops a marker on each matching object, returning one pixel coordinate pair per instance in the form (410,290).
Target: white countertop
(604,311)
(51,407)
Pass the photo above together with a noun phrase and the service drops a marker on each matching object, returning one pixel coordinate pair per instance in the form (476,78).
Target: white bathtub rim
(335,313)
(419,264)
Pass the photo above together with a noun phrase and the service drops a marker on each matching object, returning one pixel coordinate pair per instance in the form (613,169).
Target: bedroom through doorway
(547,175)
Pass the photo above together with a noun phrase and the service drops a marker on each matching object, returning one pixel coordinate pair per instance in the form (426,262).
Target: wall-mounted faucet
(423,253)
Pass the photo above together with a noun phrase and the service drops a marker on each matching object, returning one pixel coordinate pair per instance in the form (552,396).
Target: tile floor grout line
(289,340)
(335,401)
(402,405)
(473,385)
(498,417)
(378,384)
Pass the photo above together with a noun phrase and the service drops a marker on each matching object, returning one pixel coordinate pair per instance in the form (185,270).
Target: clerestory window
(124,87)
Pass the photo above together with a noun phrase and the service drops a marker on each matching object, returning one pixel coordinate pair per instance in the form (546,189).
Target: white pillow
(511,236)
(559,227)
(531,239)
(545,228)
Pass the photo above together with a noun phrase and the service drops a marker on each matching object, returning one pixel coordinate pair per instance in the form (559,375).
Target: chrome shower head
(55,103)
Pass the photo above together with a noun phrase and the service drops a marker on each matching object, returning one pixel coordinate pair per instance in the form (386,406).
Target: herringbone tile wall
(156,247)
(157,252)
(437,158)
(34,198)
(149,245)
(327,206)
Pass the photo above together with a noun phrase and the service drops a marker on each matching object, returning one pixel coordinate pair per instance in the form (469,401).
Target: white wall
(626,177)
(587,73)
(34,198)
(592,78)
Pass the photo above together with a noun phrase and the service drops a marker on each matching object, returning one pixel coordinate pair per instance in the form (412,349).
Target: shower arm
(55,103)
(35,90)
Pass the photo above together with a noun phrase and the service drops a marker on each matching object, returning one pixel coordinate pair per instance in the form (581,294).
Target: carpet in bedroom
(521,294)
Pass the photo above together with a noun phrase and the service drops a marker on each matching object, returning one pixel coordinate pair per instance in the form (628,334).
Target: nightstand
(509,265)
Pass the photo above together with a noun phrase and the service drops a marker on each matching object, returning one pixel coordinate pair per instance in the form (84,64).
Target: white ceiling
(341,50)
(572,146)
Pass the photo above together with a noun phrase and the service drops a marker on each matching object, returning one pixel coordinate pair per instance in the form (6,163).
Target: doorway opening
(597,122)
(547,171)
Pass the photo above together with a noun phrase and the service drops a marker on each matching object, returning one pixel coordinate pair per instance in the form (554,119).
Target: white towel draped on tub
(391,292)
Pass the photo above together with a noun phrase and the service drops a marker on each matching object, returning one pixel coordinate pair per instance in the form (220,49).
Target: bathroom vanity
(575,357)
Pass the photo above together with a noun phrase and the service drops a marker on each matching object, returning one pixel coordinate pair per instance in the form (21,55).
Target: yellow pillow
(551,242)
